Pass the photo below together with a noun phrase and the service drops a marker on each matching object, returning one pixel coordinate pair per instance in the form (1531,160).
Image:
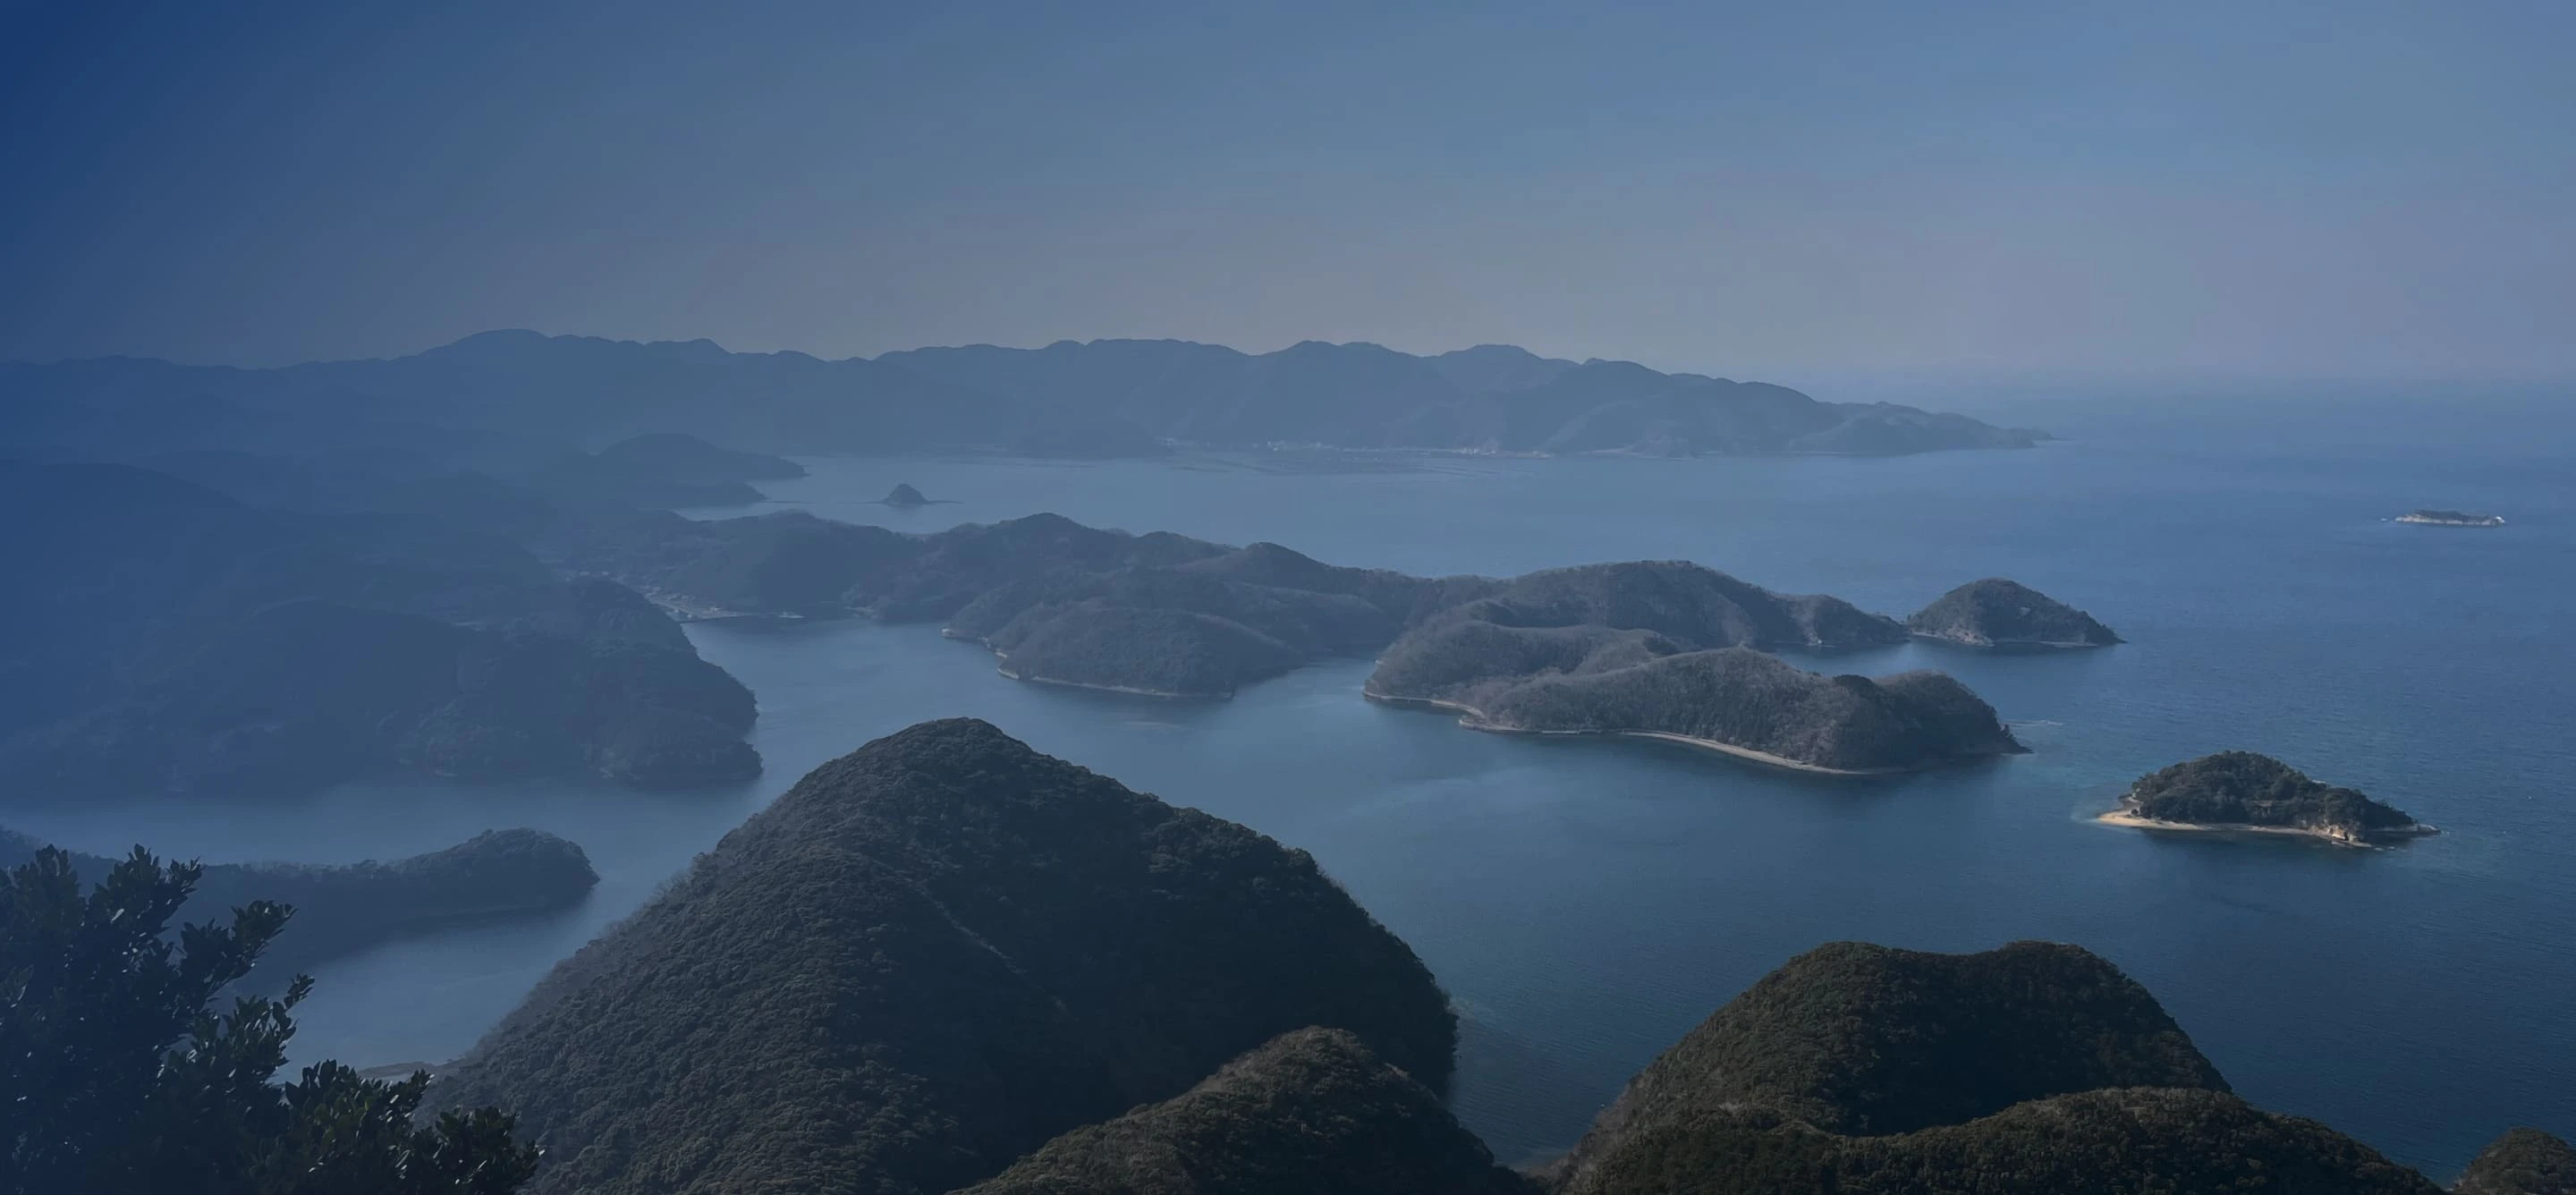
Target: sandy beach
(2125,817)
(1474,719)
(1128,690)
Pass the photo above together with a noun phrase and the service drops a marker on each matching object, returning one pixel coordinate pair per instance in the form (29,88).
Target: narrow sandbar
(2130,819)
(1474,719)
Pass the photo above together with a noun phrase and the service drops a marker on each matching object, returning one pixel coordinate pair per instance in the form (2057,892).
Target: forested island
(1169,615)
(1557,651)
(1742,703)
(2451,518)
(1669,650)
(2243,791)
(483,602)
(1999,613)
(346,907)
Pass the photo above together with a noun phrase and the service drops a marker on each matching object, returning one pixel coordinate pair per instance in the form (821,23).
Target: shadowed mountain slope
(2033,1069)
(928,958)
(1312,1111)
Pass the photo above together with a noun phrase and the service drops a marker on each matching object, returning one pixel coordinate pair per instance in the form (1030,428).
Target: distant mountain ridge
(1094,398)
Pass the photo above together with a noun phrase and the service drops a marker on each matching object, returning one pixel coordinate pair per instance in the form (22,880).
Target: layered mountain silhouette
(1101,398)
(1996,612)
(344,907)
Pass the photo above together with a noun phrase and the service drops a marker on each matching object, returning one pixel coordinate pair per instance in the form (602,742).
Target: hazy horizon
(1973,394)
(2200,192)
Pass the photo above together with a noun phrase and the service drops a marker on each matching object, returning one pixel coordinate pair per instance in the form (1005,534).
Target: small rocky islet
(2245,792)
(2450,518)
(1999,613)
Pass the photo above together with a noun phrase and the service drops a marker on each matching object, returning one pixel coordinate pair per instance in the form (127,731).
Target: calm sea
(1586,903)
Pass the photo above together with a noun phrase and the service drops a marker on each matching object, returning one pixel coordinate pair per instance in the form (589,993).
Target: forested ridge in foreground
(946,961)
(925,960)
(129,1066)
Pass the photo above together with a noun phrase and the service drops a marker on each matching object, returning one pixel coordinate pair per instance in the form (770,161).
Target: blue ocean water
(1587,902)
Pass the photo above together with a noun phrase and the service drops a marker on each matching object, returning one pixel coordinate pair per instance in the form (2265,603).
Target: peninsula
(1997,613)
(2248,793)
(2450,518)
(496,875)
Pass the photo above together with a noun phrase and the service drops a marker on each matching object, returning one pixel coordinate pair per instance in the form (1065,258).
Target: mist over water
(1587,902)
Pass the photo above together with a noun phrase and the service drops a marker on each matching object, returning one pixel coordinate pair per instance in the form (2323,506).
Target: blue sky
(2283,189)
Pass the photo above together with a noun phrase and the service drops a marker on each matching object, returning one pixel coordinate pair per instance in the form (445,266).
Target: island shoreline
(2011,645)
(2128,818)
(1472,718)
(1121,690)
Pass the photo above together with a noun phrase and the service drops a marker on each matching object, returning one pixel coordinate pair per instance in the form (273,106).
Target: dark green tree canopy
(119,1072)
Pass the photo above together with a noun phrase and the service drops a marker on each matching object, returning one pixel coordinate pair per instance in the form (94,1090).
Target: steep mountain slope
(928,958)
(2524,1161)
(1312,1111)
(2121,1141)
(2033,1069)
